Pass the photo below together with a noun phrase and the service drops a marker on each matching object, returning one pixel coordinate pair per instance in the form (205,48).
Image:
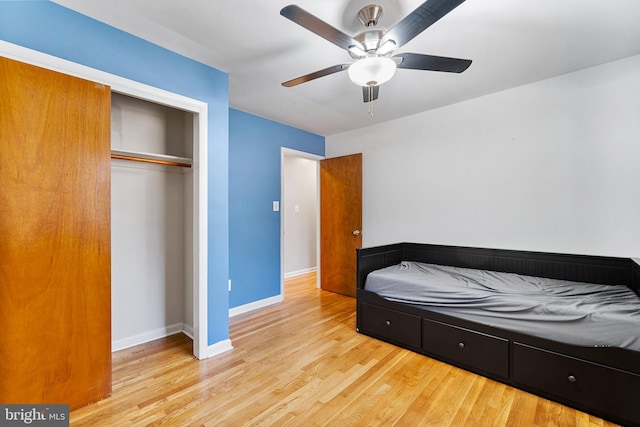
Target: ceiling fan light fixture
(372,71)
(357,51)
(387,47)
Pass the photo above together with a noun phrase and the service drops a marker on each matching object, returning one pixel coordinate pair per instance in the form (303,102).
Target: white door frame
(302,154)
(199,167)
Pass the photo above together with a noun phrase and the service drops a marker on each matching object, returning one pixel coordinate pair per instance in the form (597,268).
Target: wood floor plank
(302,363)
(466,409)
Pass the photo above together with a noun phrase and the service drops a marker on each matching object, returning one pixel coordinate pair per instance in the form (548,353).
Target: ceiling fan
(372,47)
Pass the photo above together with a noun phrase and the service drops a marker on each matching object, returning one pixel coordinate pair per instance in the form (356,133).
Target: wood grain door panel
(340,217)
(55,267)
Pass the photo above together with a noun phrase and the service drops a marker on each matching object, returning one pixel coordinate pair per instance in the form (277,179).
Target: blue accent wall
(254,183)
(55,30)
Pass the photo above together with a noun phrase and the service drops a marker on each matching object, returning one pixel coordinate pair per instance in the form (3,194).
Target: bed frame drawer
(391,325)
(476,351)
(612,391)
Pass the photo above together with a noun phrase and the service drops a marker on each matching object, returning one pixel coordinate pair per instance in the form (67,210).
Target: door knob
(356,232)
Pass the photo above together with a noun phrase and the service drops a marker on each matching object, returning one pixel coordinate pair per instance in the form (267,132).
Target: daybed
(563,337)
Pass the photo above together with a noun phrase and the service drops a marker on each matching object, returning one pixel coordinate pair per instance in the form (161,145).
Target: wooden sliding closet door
(55,274)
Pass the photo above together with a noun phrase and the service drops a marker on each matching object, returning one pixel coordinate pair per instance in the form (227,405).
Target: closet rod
(146,160)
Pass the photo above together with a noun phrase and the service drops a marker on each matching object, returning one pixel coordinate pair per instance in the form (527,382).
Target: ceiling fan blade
(316,74)
(319,27)
(370,93)
(419,20)
(416,61)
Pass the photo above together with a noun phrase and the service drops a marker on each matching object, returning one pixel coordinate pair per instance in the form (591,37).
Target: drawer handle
(572,378)
(461,345)
(388,323)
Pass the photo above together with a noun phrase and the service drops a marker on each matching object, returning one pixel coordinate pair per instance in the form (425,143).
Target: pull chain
(371,100)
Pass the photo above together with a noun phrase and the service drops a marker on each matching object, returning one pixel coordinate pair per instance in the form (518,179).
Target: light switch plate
(276,206)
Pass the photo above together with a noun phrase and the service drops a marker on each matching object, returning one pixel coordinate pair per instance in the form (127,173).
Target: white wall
(300,206)
(550,166)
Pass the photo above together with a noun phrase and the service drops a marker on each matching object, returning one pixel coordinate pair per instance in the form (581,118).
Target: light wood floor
(301,363)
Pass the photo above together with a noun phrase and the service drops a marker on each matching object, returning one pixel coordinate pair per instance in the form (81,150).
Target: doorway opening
(151,221)
(300,215)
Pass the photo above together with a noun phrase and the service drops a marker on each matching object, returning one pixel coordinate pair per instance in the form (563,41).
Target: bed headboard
(635,275)
(579,268)
(370,259)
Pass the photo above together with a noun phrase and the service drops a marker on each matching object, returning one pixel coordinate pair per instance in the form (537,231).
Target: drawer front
(391,325)
(470,349)
(584,383)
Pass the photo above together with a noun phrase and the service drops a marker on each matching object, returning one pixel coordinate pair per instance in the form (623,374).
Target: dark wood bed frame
(604,381)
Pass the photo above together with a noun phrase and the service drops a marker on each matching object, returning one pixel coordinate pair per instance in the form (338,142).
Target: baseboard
(300,272)
(188,331)
(217,348)
(255,305)
(155,334)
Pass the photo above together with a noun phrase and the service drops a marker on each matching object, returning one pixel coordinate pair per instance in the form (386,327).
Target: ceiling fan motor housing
(369,15)
(370,39)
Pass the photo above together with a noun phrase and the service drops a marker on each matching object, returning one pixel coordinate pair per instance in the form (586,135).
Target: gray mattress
(583,314)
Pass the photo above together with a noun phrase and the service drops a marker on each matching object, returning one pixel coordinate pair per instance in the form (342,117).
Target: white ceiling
(511,43)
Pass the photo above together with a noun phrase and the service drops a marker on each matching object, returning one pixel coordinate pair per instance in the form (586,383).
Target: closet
(102,202)
(151,221)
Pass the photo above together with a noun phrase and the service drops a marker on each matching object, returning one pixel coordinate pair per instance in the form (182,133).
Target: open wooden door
(55,267)
(340,222)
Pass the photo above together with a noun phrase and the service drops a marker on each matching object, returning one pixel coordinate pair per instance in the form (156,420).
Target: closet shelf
(160,159)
